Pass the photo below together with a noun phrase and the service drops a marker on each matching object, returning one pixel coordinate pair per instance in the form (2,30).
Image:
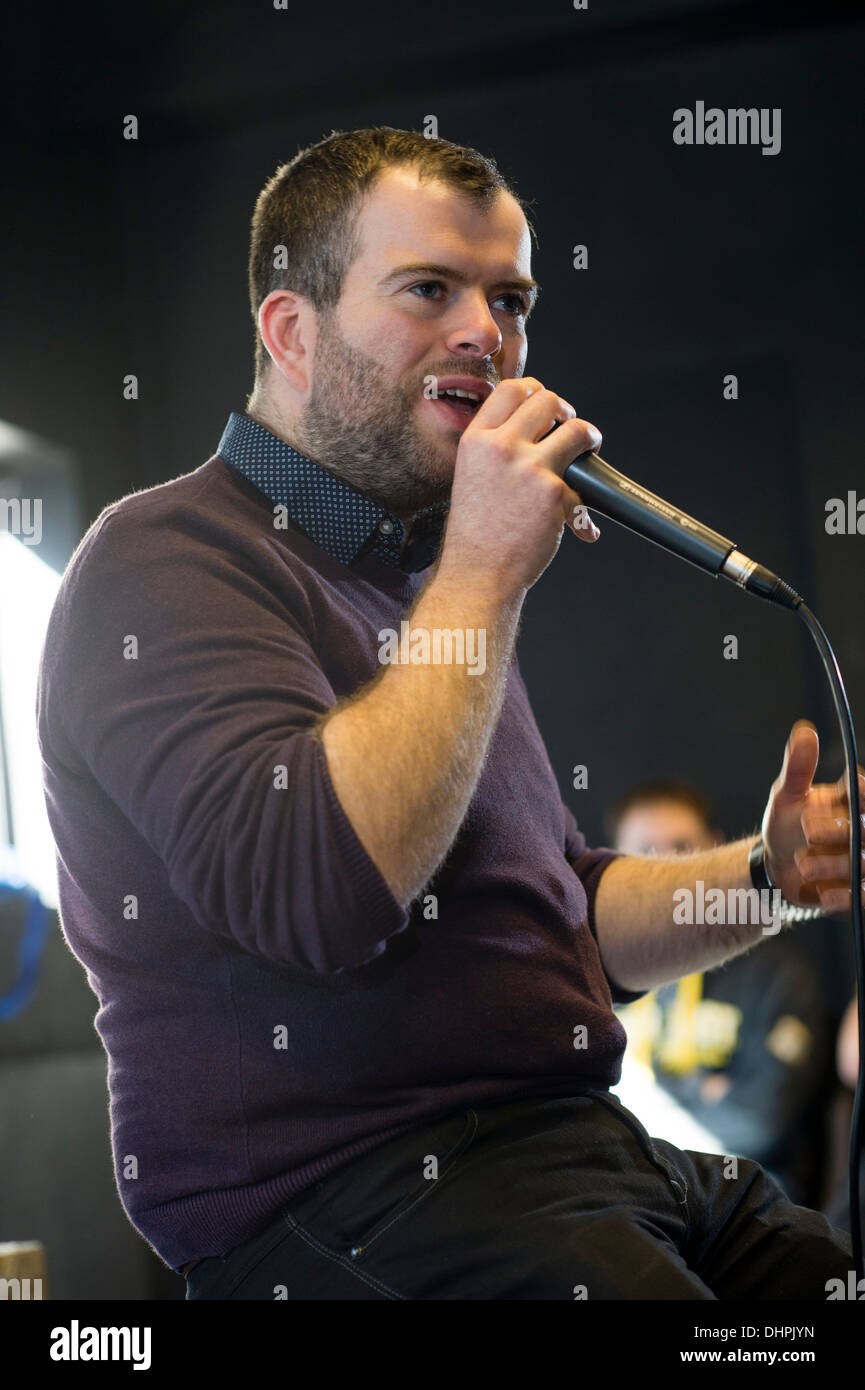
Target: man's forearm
(406,752)
(641,943)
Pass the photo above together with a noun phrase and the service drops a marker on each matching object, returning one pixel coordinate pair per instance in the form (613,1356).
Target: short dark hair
(648,793)
(310,207)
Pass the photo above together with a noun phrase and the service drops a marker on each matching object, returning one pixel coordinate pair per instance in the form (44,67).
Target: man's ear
(287,323)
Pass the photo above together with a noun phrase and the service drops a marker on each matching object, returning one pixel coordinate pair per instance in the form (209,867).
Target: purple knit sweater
(268,1010)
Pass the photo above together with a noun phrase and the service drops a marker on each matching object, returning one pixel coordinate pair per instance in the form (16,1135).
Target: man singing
(354,959)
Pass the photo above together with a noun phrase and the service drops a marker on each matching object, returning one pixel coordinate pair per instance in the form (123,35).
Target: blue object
(13,884)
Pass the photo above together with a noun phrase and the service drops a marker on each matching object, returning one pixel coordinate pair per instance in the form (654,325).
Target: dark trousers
(541,1199)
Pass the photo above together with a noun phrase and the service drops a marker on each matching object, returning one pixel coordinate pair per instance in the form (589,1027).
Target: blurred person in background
(837,1207)
(746,1048)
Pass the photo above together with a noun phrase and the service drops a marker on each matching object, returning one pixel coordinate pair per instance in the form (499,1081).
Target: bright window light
(28,587)
(659,1112)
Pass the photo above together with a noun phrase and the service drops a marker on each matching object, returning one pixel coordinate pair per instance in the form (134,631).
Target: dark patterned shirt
(330,511)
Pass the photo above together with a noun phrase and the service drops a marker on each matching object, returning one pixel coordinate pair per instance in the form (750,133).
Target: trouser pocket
(362,1206)
(218,1276)
(675,1178)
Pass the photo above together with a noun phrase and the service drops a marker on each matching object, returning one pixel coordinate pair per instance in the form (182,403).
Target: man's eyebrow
(446,272)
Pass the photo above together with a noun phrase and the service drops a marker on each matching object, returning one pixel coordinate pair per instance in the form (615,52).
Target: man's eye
(517,303)
(428,285)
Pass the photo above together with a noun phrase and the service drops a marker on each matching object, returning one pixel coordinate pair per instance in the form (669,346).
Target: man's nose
(474,328)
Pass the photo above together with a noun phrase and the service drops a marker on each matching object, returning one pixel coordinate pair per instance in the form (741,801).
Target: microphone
(609,492)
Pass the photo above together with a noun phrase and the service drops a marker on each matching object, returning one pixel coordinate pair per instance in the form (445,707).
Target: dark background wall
(131,257)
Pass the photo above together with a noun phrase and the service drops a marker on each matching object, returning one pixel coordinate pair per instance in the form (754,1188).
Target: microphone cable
(603,488)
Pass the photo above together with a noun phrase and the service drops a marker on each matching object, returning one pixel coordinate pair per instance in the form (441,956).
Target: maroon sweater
(268,1009)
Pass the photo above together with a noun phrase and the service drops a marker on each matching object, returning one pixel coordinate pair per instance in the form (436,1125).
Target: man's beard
(362,426)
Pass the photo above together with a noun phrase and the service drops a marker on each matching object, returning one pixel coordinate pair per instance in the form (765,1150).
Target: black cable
(848,736)
(603,488)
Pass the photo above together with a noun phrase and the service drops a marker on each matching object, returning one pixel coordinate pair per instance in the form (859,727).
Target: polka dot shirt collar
(331,512)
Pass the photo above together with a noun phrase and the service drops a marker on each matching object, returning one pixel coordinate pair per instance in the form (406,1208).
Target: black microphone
(609,492)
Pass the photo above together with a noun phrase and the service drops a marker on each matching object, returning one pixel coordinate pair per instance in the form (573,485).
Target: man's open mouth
(457,404)
(466,401)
